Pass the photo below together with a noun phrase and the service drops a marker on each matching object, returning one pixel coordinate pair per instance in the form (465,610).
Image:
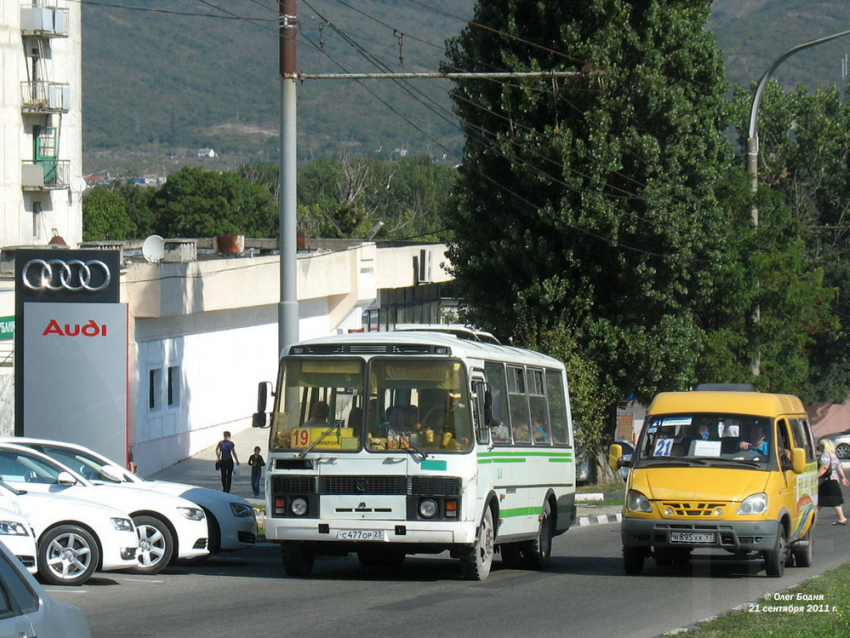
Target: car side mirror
(109,473)
(66,479)
(615,455)
(798,460)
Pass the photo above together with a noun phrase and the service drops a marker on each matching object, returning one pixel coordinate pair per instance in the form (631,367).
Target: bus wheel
(475,561)
(804,550)
(776,558)
(298,559)
(633,560)
(538,553)
(511,555)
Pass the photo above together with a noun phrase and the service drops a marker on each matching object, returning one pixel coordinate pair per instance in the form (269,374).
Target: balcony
(45,97)
(45,175)
(44,20)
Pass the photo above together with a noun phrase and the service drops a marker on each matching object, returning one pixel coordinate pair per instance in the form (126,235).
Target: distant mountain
(160,75)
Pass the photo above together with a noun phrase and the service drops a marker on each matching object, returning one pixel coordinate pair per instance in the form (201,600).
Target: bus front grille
(294,484)
(434,486)
(345,485)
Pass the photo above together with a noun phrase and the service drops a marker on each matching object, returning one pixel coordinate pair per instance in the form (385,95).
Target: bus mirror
(262,396)
(259,420)
(488,406)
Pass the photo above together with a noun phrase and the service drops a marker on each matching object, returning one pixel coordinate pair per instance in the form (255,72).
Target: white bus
(385,444)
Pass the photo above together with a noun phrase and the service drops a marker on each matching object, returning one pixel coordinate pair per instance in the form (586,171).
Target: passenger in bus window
(318,415)
(394,424)
(539,431)
(520,426)
(501,434)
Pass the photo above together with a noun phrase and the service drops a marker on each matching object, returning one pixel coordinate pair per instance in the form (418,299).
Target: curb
(602,519)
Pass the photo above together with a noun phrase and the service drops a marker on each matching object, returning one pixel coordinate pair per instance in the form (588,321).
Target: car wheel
(476,561)
(156,545)
(842,450)
(776,559)
(67,555)
(803,551)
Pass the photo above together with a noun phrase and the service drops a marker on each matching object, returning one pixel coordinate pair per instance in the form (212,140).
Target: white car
(17,535)
(28,610)
(231,520)
(169,527)
(73,537)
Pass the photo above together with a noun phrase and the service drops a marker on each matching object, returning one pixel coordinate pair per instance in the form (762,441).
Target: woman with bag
(829,473)
(225,454)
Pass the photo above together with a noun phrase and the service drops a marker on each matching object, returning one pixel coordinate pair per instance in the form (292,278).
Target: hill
(162,78)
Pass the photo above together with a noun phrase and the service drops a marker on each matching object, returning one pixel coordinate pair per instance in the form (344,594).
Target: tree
(105,216)
(588,206)
(198,203)
(804,162)
(346,198)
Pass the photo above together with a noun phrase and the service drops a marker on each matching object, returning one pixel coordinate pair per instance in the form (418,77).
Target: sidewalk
(200,470)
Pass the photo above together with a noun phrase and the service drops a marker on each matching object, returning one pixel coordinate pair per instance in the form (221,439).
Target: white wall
(61,209)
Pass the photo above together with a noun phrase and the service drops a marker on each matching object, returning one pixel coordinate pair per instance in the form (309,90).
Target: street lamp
(753,155)
(753,135)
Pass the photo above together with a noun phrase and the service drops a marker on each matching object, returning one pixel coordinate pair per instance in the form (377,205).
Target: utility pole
(288,241)
(753,154)
(287,315)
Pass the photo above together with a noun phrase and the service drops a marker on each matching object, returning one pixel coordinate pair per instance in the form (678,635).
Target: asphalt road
(584,593)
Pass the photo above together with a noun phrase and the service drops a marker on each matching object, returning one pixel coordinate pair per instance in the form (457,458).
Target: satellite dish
(78,184)
(153,249)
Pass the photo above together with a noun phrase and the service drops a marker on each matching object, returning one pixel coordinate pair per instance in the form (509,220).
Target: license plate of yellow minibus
(361,535)
(692,537)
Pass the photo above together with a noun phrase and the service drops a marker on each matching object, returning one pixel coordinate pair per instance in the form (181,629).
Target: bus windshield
(708,439)
(383,405)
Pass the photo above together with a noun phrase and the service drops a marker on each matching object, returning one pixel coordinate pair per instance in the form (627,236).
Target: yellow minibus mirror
(615,453)
(798,460)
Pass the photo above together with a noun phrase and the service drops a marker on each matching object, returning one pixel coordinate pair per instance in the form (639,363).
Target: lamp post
(753,135)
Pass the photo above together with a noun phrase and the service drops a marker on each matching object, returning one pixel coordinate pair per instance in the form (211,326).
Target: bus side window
(557,406)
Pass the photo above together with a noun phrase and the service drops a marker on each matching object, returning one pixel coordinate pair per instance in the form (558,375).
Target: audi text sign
(71,345)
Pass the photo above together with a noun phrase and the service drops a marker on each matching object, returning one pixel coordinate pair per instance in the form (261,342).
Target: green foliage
(105,216)
(198,203)
(347,198)
(804,151)
(588,208)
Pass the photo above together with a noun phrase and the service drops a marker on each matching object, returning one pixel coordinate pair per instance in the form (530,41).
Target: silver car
(26,609)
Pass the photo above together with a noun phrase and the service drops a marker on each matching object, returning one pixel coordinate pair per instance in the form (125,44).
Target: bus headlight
(299,506)
(638,502)
(428,508)
(754,504)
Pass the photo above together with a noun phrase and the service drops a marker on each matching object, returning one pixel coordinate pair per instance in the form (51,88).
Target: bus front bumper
(356,532)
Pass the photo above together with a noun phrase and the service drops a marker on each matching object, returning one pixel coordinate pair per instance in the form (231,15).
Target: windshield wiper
(306,451)
(683,461)
(416,451)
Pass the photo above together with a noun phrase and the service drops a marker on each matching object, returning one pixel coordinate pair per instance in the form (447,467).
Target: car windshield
(85,465)
(17,467)
(708,439)
(408,404)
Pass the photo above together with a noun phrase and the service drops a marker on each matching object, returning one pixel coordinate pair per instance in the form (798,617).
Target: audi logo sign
(73,275)
(67,276)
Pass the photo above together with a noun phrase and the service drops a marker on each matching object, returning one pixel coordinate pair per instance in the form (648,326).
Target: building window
(155,389)
(174,386)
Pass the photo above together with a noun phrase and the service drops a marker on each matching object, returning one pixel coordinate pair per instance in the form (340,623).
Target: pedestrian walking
(225,454)
(256,462)
(829,474)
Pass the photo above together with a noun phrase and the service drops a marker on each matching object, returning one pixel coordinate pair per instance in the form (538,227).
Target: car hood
(200,495)
(698,483)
